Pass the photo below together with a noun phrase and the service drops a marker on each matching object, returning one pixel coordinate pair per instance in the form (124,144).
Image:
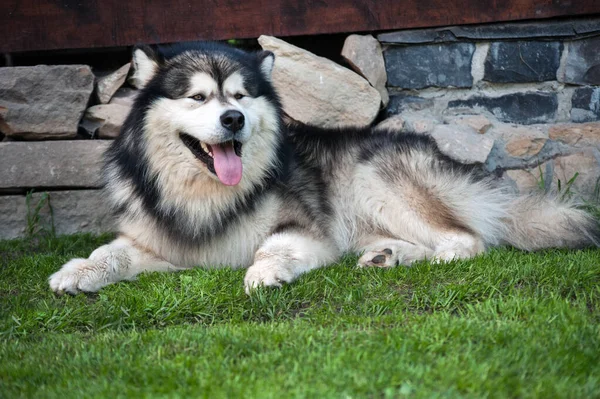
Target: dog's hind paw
(383,258)
(75,276)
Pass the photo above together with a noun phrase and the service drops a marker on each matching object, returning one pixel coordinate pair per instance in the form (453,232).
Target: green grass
(507,324)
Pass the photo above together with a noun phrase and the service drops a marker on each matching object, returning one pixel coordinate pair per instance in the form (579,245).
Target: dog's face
(208,104)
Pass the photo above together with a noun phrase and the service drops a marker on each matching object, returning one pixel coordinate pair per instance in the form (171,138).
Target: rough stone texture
(584,164)
(107,85)
(479,123)
(463,144)
(318,91)
(51,163)
(401,102)
(519,141)
(43,102)
(511,30)
(584,135)
(583,62)
(105,121)
(523,108)
(585,104)
(522,61)
(364,55)
(82,211)
(124,96)
(419,123)
(394,124)
(417,67)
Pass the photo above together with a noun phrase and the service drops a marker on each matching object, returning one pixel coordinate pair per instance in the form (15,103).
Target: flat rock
(524,108)
(421,66)
(51,163)
(402,102)
(462,144)
(45,101)
(585,104)
(522,61)
(364,55)
(80,211)
(520,141)
(318,91)
(108,85)
(105,121)
(578,135)
(510,30)
(479,123)
(583,62)
(124,96)
(393,124)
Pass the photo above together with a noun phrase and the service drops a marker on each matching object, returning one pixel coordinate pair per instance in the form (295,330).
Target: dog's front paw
(77,275)
(267,273)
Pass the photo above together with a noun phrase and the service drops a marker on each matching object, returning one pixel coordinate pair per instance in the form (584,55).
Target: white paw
(448,255)
(267,273)
(77,275)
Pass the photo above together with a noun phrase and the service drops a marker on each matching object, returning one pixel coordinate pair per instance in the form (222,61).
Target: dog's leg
(457,245)
(285,256)
(389,252)
(120,260)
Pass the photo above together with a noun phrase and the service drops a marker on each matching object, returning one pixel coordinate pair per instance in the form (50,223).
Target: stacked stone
(52,146)
(521,98)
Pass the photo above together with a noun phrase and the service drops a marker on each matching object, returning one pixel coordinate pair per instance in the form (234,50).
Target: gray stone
(462,144)
(107,85)
(318,91)
(523,108)
(393,124)
(417,67)
(585,104)
(511,30)
(479,123)
(81,211)
(364,55)
(105,121)
(51,164)
(124,96)
(43,102)
(583,62)
(522,61)
(402,102)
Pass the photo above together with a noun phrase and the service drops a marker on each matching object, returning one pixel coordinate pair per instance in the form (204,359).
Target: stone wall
(522,98)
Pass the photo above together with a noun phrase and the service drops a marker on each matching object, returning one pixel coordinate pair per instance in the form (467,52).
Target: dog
(208,172)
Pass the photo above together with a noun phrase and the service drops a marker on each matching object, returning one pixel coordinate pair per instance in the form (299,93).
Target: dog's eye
(239,96)
(199,97)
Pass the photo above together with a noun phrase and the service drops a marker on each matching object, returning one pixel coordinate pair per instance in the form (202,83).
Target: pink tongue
(227,164)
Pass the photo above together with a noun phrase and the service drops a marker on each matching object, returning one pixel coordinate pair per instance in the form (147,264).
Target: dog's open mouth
(223,159)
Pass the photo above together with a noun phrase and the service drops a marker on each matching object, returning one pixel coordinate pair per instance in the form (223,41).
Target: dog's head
(210,105)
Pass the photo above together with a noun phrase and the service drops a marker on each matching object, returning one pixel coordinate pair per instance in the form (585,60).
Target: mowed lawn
(507,324)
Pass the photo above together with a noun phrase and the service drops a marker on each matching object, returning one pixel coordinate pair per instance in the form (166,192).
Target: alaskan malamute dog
(207,173)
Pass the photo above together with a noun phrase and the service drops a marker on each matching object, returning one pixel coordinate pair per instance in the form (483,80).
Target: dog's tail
(536,222)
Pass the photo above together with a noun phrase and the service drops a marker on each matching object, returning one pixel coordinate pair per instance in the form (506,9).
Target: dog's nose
(232,120)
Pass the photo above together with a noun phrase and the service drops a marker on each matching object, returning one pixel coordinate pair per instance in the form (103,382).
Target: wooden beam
(27,25)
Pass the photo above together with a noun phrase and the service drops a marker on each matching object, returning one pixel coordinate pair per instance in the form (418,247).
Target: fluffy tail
(537,222)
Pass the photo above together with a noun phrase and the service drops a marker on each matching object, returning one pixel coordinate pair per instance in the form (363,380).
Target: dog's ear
(145,62)
(266,60)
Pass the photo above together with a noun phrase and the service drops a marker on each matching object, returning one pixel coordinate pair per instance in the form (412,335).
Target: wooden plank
(27,25)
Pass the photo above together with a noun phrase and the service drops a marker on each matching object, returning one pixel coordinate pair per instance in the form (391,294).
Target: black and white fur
(307,195)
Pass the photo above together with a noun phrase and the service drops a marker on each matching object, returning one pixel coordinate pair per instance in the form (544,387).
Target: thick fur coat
(206,173)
